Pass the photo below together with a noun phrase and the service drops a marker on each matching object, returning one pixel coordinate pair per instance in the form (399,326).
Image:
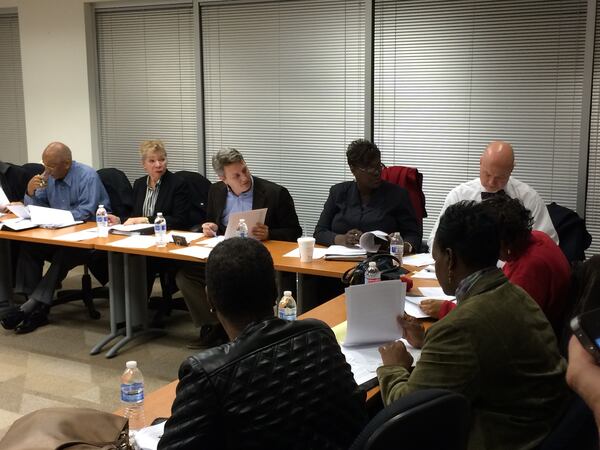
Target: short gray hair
(225,157)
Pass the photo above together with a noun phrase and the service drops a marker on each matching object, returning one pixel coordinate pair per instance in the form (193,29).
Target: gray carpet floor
(52,366)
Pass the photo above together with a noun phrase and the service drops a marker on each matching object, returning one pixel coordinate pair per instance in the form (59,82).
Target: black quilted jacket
(279,385)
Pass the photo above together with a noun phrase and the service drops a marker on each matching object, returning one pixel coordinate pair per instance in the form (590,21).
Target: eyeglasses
(375,170)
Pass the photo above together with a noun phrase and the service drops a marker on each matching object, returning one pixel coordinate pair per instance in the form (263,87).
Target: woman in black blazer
(158,191)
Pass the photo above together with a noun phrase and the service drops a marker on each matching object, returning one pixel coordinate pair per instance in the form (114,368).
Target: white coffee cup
(306,245)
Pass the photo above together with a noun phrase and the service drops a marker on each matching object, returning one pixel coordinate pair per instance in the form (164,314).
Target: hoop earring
(212,310)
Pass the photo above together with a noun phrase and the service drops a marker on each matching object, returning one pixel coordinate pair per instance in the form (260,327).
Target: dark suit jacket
(388,210)
(13,180)
(281,218)
(173,200)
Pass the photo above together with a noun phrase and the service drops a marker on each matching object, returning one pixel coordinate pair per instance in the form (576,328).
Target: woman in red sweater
(533,261)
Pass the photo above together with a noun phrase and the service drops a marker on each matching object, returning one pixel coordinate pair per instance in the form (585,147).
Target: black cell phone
(586,327)
(180,240)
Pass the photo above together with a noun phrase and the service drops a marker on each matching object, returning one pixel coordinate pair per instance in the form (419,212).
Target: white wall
(55,75)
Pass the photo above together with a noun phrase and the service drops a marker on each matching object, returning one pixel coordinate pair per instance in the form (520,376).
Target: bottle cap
(100,206)
(131,364)
(242,220)
(287,293)
(373,264)
(159,214)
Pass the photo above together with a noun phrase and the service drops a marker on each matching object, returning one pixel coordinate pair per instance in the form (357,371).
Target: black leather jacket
(279,385)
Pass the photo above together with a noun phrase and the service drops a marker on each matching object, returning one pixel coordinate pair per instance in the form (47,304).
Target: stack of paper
(418,259)
(195,251)
(372,310)
(44,217)
(340,252)
(132,230)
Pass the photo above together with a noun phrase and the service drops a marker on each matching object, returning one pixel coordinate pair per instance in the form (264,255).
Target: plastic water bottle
(396,246)
(160,230)
(287,306)
(102,221)
(132,395)
(372,275)
(242,228)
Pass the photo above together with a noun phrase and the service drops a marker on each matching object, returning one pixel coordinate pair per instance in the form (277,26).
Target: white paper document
(211,242)
(343,253)
(17,224)
(195,251)
(318,253)
(20,211)
(419,259)
(251,217)
(435,292)
(135,242)
(134,229)
(424,274)
(412,307)
(372,310)
(147,438)
(51,217)
(78,235)
(3,199)
(372,240)
(364,360)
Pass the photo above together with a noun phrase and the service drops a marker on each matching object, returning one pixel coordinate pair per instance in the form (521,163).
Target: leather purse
(386,263)
(68,428)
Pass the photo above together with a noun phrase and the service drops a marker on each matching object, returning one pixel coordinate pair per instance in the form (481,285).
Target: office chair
(412,180)
(407,423)
(576,429)
(572,232)
(199,187)
(33,169)
(120,193)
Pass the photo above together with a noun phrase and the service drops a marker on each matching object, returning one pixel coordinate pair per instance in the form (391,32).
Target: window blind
(592,204)
(450,77)
(12,110)
(284,84)
(147,85)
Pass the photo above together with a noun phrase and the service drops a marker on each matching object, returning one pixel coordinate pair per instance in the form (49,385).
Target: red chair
(410,179)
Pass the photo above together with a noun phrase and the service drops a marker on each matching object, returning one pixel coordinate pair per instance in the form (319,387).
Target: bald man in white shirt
(495,169)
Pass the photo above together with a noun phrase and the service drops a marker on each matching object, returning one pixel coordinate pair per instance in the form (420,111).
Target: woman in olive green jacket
(496,347)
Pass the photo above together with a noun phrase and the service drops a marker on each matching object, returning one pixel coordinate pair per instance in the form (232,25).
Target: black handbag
(385,264)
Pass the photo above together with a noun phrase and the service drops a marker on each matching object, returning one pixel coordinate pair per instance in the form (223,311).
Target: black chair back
(572,232)
(199,186)
(33,169)
(119,191)
(431,419)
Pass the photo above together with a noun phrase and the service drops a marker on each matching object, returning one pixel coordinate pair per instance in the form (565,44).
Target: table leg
(6,291)
(136,303)
(300,293)
(116,294)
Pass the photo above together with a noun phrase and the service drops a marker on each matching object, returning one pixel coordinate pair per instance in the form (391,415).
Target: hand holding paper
(414,332)
(395,353)
(252,218)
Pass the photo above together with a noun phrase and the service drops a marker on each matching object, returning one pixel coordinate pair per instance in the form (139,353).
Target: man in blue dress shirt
(65,184)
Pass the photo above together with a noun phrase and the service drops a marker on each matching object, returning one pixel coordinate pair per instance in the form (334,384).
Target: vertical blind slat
(147,81)
(284,84)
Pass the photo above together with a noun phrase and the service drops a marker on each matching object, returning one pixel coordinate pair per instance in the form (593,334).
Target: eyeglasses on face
(373,170)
